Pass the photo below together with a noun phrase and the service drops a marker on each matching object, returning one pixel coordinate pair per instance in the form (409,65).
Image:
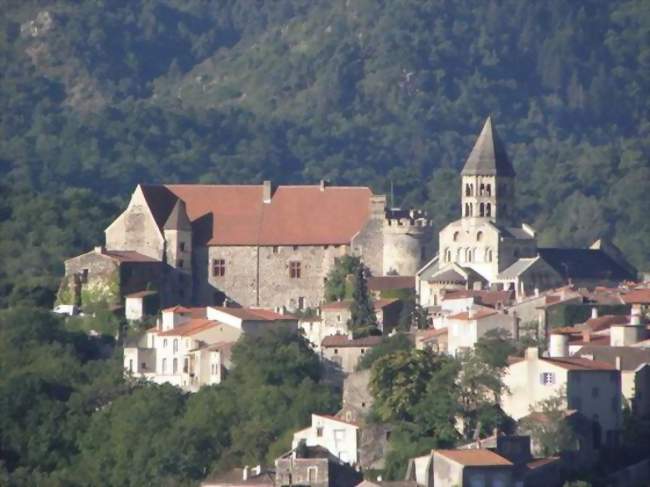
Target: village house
(191,347)
(471,467)
(464,329)
(313,466)
(242,477)
(591,387)
(339,437)
(254,245)
(337,315)
(486,249)
(341,353)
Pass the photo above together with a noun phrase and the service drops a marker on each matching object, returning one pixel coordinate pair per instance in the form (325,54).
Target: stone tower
(178,238)
(488,179)
(405,233)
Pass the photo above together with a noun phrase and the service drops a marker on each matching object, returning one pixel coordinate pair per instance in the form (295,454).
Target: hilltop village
(383,302)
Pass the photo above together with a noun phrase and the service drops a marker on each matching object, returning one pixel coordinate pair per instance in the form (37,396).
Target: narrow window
(468,191)
(218,267)
(165,343)
(164,366)
(482,209)
(456,235)
(84,276)
(143,366)
(175,345)
(175,366)
(294,270)
(186,365)
(319,431)
(182,246)
(130,365)
(482,190)
(488,210)
(275,249)
(488,189)
(301,302)
(311,474)
(180,263)
(479,236)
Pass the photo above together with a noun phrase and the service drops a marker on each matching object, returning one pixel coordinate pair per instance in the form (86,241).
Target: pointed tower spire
(488,157)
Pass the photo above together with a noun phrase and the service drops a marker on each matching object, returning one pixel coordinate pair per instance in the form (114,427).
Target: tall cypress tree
(363,320)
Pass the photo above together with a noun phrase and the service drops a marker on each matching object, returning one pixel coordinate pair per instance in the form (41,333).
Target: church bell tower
(488,179)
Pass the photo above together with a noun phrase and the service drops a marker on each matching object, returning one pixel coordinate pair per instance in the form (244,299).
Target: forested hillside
(97,96)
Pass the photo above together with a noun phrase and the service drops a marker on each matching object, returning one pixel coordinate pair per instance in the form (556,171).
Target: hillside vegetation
(97,96)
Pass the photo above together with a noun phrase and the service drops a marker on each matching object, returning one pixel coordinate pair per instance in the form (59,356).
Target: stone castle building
(252,245)
(486,248)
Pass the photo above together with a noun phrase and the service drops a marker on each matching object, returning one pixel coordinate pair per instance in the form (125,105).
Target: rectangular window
(182,246)
(218,267)
(275,249)
(547,378)
(311,474)
(294,270)
(84,276)
(301,302)
(319,431)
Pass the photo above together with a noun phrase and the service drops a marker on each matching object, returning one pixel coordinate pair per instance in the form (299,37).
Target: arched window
(458,251)
(164,366)
(456,235)
(175,345)
(447,255)
(488,209)
(468,255)
(482,209)
(165,343)
(482,190)
(479,236)
(175,366)
(488,189)
(467,209)
(471,209)
(468,190)
(488,255)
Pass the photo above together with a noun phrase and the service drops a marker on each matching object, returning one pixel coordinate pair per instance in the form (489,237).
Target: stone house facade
(256,245)
(339,437)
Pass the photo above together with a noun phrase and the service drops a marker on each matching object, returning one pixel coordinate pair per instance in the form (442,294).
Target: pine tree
(363,320)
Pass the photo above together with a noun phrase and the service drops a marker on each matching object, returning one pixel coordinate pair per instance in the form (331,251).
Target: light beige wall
(348,357)
(523,388)
(468,230)
(446,473)
(403,246)
(135,229)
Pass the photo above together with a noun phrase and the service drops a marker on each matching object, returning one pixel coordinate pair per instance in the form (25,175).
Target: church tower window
(479,236)
(488,189)
(482,209)
(488,209)
(456,235)
(468,190)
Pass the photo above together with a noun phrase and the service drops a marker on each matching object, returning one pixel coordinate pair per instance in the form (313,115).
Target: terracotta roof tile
(386,283)
(343,341)
(336,418)
(254,314)
(637,296)
(296,215)
(475,458)
(191,327)
(578,363)
(604,322)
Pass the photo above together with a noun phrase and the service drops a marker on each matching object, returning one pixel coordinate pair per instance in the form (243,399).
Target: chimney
(558,345)
(267,191)
(586,336)
(635,316)
(244,473)
(532,353)
(594,312)
(323,183)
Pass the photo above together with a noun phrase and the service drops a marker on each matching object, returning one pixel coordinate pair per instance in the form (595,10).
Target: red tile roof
(343,341)
(604,322)
(191,327)
(637,296)
(475,458)
(386,283)
(569,363)
(433,333)
(296,215)
(254,314)
(486,298)
(127,256)
(474,315)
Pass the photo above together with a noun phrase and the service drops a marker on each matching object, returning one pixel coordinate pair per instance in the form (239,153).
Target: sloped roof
(473,315)
(485,297)
(570,363)
(605,322)
(386,283)
(178,219)
(631,357)
(488,157)
(517,268)
(191,327)
(254,314)
(584,264)
(343,341)
(237,215)
(449,275)
(637,296)
(336,418)
(127,256)
(475,457)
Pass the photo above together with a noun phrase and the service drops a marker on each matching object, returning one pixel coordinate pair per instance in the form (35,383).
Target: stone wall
(100,284)
(135,229)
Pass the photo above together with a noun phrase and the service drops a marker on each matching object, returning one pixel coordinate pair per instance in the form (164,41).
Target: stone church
(251,245)
(487,248)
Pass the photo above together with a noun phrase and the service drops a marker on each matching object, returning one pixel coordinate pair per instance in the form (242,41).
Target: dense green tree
(388,345)
(363,320)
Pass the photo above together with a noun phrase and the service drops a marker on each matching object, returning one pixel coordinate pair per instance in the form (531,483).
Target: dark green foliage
(389,345)
(69,416)
(339,283)
(363,320)
(570,314)
(382,94)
